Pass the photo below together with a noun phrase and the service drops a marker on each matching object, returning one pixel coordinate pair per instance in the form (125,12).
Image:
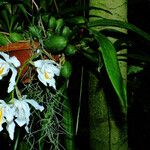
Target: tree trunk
(107,132)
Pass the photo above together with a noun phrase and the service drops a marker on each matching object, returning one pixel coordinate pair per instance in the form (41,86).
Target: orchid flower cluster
(17,110)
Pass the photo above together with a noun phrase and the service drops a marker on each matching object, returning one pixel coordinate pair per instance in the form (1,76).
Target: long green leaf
(5,16)
(98,8)
(121,24)
(23,10)
(112,66)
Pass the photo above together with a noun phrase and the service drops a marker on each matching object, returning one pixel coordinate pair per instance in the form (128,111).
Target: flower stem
(18,93)
(17,139)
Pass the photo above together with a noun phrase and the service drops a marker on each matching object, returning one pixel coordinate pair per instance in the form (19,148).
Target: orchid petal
(38,63)
(46,70)
(35,104)
(2,61)
(4,68)
(22,112)
(9,113)
(3,121)
(2,102)
(27,129)
(11,129)
(41,77)
(26,109)
(7,116)
(52,83)
(14,61)
(55,69)
(20,121)
(12,80)
(1,117)
(5,56)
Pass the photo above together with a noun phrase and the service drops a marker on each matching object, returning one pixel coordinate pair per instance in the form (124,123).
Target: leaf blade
(112,66)
(120,24)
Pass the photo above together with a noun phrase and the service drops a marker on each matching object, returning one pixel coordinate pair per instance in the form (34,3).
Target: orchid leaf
(112,66)
(121,24)
(98,8)
(5,16)
(23,9)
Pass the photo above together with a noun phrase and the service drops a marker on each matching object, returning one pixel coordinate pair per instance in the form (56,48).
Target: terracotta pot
(22,50)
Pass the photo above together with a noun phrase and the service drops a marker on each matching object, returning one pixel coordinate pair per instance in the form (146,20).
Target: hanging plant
(35,61)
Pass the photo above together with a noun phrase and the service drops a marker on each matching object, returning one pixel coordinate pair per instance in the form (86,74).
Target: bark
(107,132)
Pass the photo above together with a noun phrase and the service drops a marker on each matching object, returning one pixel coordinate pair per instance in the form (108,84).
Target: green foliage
(70,50)
(52,23)
(120,24)
(59,25)
(112,66)
(50,122)
(3,39)
(66,70)
(15,37)
(64,31)
(55,43)
(35,31)
(10,19)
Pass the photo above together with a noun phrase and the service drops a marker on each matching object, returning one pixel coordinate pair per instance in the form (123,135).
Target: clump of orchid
(16,110)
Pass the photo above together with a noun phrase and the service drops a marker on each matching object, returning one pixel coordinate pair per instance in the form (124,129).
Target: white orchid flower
(22,110)
(7,116)
(9,63)
(47,69)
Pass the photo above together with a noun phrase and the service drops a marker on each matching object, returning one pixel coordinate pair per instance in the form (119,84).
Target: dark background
(138,84)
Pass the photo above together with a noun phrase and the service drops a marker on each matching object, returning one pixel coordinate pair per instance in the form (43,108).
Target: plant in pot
(34,64)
